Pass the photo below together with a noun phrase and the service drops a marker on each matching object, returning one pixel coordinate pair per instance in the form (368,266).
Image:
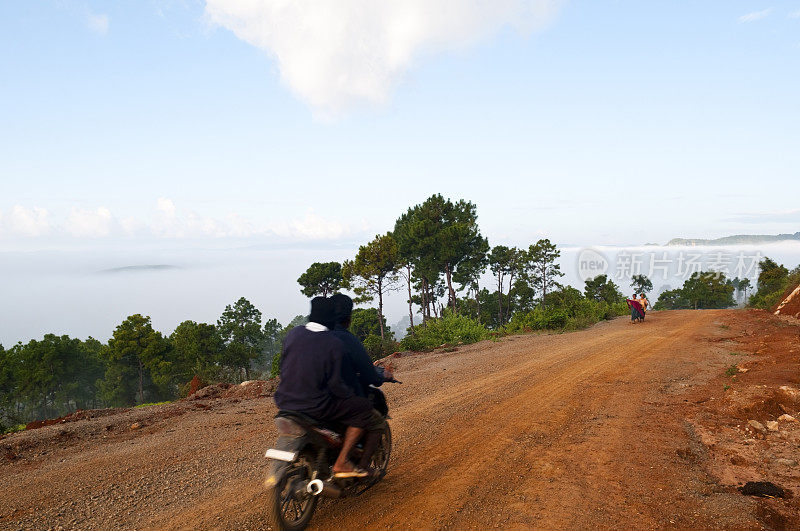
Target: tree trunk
(508,300)
(450,291)
(424,306)
(380,305)
(478,300)
(141,382)
(499,299)
(544,285)
(410,309)
(430,299)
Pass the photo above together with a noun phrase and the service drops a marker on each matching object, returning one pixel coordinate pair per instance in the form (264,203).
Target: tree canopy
(641,284)
(703,290)
(321,278)
(600,288)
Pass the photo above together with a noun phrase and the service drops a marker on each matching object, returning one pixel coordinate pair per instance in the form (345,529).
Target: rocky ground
(649,425)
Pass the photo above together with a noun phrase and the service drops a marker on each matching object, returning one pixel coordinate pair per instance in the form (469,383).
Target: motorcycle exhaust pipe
(318,487)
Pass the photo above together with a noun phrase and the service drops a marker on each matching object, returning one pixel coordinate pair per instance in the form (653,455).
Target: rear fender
(291,438)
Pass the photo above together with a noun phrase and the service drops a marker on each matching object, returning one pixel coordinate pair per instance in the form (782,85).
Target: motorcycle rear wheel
(287,509)
(380,459)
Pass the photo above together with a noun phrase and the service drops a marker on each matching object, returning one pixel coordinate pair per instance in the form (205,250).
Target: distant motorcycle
(301,465)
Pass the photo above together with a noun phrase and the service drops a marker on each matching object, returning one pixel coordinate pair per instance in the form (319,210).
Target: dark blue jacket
(311,372)
(358,372)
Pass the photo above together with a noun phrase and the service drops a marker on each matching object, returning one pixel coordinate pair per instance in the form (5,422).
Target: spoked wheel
(380,459)
(290,506)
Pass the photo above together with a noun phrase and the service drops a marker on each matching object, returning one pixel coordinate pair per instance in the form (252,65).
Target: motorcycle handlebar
(393,380)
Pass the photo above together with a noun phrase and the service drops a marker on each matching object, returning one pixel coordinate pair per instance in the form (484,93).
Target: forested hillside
(435,254)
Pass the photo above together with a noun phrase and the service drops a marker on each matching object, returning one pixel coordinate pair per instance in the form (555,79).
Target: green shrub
(451,329)
(364,322)
(275,365)
(378,348)
(580,314)
(14,428)
(773,281)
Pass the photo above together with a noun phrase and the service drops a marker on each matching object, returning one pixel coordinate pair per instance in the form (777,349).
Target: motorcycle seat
(328,433)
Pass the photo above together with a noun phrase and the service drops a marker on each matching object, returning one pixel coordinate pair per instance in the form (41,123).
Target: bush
(580,314)
(13,428)
(378,348)
(364,322)
(452,329)
(771,291)
(275,365)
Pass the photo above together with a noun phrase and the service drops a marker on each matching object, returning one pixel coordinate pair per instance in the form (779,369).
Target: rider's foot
(350,471)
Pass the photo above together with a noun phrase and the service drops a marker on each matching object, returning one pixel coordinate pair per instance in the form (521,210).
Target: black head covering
(342,307)
(322,312)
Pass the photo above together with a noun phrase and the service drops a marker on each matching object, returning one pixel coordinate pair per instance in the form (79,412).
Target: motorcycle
(301,465)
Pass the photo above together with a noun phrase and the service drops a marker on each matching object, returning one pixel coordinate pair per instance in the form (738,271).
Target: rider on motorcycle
(311,383)
(358,371)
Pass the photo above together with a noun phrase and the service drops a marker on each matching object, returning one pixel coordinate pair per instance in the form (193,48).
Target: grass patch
(732,370)
(5,430)
(725,327)
(153,404)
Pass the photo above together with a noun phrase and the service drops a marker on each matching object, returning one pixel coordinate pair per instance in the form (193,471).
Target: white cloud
(97,23)
(27,222)
(311,227)
(795,14)
(755,15)
(89,223)
(169,223)
(166,221)
(338,54)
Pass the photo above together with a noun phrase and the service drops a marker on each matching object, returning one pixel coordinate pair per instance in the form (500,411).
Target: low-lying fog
(83,293)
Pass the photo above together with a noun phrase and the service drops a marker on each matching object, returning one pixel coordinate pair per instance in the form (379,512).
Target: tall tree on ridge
(373,272)
(542,266)
(437,236)
(135,350)
(472,267)
(198,349)
(240,330)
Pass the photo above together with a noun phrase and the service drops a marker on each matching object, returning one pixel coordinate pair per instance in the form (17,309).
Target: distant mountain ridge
(139,268)
(738,239)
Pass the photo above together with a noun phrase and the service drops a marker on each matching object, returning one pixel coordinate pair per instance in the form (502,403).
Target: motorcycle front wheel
(289,506)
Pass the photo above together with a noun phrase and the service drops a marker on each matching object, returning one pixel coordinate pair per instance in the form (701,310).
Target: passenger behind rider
(311,383)
(358,371)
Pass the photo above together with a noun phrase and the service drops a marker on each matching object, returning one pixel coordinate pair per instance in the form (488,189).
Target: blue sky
(169,122)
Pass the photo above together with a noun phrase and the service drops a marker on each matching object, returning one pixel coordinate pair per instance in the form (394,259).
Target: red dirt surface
(195,385)
(617,426)
(790,304)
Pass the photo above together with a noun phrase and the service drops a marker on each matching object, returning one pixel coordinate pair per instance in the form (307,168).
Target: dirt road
(573,430)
